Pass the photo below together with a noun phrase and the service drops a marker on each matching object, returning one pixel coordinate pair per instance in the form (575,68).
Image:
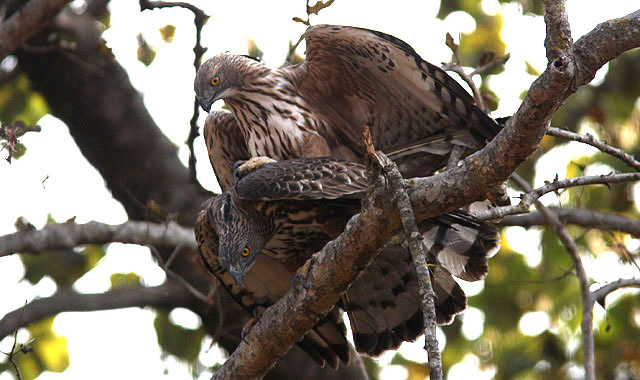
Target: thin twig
(587,296)
(414,238)
(207,299)
(601,293)
(456,68)
(23,348)
(528,199)
(601,145)
(315,9)
(581,217)
(10,134)
(199,19)
(490,65)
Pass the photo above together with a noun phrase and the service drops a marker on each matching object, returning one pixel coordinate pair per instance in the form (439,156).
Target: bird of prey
(351,77)
(277,215)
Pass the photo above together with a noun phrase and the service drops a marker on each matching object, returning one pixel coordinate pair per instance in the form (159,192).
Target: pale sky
(74,189)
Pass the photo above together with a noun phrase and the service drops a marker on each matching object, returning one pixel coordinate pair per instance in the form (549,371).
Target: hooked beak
(205,103)
(237,275)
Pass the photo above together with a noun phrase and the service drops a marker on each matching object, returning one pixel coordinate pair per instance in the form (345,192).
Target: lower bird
(277,214)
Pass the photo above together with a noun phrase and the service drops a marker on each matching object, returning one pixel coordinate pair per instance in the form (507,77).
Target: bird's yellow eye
(246,251)
(215,81)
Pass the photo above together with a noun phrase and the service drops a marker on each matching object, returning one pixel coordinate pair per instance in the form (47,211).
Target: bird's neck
(275,122)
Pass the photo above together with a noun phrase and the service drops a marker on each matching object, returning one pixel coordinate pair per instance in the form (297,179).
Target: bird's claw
(247,328)
(297,277)
(257,314)
(303,274)
(242,168)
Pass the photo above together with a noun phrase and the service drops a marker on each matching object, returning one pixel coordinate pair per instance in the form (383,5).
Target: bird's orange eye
(215,81)
(246,251)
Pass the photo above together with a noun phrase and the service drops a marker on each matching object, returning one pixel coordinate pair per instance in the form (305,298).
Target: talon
(247,328)
(242,168)
(297,277)
(258,311)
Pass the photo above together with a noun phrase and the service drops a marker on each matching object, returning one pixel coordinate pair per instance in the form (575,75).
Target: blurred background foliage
(517,289)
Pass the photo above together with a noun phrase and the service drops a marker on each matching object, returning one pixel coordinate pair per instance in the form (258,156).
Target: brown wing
(304,178)
(384,303)
(225,145)
(362,77)
(263,286)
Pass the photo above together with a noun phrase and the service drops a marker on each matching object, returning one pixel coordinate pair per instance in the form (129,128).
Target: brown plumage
(282,212)
(351,77)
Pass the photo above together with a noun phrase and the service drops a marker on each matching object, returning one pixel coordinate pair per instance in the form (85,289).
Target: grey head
(242,231)
(223,76)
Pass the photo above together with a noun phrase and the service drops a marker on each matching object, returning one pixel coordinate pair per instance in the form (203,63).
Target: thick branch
(604,43)
(26,22)
(70,235)
(585,218)
(168,295)
(326,276)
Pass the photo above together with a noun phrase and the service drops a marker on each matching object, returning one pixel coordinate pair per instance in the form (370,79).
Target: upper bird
(351,77)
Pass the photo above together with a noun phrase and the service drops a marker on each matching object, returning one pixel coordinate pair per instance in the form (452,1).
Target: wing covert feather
(304,179)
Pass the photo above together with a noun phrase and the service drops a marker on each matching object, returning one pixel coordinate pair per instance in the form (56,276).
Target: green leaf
(253,50)
(177,340)
(146,54)
(125,280)
(167,32)
(531,70)
(63,266)
(45,351)
(20,102)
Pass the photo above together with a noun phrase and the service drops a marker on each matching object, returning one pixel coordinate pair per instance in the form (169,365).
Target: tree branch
(427,295)
(528,199)
(168,295)
(605,42)
(587,297)
(601,145)
(199,19)
(26,22)
(558,42)
(327,275)
(585,218)
(604,291)
(69,235)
